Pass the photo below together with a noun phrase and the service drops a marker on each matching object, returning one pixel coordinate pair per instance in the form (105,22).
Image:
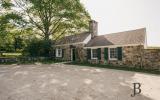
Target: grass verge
(30,62)
(125,68)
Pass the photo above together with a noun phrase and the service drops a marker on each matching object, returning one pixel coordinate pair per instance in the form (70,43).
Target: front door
(73,56)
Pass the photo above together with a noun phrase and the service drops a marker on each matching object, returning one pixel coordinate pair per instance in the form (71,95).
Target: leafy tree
(23,20)
(12,28)
(55,18)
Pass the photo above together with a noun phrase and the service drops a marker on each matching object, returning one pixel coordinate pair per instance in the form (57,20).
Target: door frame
(72,53)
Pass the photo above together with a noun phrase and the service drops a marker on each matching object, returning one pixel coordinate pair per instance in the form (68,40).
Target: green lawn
(11,54)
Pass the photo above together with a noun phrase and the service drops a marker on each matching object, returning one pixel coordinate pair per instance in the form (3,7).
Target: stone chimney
(93,28)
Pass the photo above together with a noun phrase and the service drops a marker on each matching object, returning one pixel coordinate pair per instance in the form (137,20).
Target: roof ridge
(76,38)
(77,34)
(136,36)
(124,31)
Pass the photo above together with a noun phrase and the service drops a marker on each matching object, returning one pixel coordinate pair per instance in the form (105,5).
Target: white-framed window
(94,54)
(58,52)
(113,54)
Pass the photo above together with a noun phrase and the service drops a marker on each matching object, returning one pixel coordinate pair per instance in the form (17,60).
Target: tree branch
(60,34)
(55,27)
(27,12)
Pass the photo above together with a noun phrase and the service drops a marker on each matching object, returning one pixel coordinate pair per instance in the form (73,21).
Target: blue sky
(122,15)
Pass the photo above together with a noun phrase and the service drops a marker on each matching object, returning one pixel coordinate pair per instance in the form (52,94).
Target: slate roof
(73,38)
(122,38)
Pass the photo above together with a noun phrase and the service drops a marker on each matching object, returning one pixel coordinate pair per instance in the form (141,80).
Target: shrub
(38,48)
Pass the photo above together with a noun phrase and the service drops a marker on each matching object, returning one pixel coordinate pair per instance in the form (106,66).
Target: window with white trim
(58,52)
(113,55)
(93,53)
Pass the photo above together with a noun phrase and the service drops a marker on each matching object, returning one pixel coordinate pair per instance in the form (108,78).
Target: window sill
(59,57)
(113,59)
(94,58)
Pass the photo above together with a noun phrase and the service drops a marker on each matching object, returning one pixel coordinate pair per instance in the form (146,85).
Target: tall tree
(54,18)
(12,26)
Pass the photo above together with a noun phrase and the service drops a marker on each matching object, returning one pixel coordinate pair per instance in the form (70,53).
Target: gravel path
(70,82)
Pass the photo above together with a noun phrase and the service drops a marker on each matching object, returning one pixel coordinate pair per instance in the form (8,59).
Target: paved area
(70,82)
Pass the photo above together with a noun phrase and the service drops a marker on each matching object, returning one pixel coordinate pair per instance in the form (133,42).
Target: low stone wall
(151,58)
(8,60)
(137,56)
(134,56)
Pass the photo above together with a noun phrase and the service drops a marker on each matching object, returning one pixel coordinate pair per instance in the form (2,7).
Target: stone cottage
(124,48)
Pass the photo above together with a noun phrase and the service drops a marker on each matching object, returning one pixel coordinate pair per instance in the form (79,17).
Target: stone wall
(134,56)
(137,56)
(151,58)
(67,52)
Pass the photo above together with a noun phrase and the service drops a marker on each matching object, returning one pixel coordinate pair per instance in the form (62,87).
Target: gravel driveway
(71,82)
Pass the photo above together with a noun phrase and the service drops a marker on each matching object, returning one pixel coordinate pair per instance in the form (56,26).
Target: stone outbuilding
(127,48)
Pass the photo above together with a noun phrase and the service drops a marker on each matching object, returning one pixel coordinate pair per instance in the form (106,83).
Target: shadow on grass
(125,68)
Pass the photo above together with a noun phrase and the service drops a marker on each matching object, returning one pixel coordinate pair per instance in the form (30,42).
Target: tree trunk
(46,37)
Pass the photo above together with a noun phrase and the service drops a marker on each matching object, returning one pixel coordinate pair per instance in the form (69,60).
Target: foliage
(37,48)
(6,4)
(23,20)
(18,43)
(15,40)
(55,18)
(11,27)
